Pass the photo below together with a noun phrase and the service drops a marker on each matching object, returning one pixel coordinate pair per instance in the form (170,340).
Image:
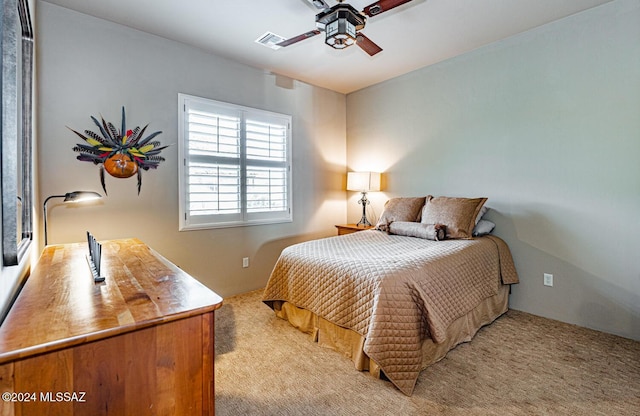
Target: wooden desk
(141,342)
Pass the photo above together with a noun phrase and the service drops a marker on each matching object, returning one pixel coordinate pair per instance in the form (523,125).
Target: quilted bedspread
(393,290)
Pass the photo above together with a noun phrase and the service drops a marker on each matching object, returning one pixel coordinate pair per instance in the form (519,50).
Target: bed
(393,303)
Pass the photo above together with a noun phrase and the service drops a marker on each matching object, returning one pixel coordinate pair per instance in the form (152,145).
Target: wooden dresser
(139,343)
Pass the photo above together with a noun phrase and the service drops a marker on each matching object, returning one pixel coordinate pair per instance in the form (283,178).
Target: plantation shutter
(266,166)
(236,167)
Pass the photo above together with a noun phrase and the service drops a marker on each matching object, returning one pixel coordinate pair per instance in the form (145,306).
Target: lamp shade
(79,196)
(363,181)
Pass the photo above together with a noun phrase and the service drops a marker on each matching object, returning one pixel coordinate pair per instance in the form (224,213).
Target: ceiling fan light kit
(342,24)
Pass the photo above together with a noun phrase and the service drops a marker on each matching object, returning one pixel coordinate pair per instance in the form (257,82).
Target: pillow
(401,209)
(457,214)
(435,232)
(483,227)
(483,211)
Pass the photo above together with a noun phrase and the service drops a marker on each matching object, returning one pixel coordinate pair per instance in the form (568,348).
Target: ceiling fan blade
(367,44)
(382,6)
(298,38)
(319,4)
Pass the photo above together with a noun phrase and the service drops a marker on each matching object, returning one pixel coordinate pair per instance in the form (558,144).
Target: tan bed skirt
(351,344)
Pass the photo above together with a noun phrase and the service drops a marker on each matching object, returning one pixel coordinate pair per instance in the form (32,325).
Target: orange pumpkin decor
(121,153)
(120,166)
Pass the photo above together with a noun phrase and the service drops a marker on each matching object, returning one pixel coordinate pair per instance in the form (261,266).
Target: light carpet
(519,365)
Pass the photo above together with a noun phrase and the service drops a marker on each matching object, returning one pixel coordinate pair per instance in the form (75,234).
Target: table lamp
(363,182)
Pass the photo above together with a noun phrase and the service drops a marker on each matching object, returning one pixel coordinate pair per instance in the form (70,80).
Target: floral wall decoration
(121,153)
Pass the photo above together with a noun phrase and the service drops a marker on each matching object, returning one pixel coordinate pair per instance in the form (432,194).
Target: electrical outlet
(245,262)
(548,279)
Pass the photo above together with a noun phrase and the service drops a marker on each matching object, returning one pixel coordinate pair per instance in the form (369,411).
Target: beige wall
(547,126)
(89,67)
(544,124)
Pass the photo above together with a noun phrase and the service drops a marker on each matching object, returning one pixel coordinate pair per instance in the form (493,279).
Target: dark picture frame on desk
(16,131)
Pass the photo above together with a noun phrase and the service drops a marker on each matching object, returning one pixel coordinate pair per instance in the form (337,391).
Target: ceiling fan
(342,24)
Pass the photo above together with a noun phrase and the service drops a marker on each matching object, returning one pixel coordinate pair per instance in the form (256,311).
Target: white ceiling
(417,34)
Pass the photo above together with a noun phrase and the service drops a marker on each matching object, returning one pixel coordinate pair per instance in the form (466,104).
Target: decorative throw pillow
(481,213)
(435,232)
(401,209)
(457,214)
(483,227)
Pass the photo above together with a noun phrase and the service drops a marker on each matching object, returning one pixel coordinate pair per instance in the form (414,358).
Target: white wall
(89,66)
(547,126)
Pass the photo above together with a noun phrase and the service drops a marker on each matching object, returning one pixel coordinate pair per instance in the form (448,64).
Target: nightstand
(352,228)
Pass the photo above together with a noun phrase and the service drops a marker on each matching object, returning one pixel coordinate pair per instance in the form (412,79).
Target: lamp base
(364,221)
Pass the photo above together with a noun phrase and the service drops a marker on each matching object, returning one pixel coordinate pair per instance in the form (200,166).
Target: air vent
(270,40)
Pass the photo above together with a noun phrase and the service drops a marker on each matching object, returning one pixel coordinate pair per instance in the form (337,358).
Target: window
(16,81)
(235,165)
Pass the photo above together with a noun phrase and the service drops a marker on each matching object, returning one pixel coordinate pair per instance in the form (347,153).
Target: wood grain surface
(351,228)
(141,342)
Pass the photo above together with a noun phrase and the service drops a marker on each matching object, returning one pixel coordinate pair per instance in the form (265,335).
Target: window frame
(16,42)
(244,217)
